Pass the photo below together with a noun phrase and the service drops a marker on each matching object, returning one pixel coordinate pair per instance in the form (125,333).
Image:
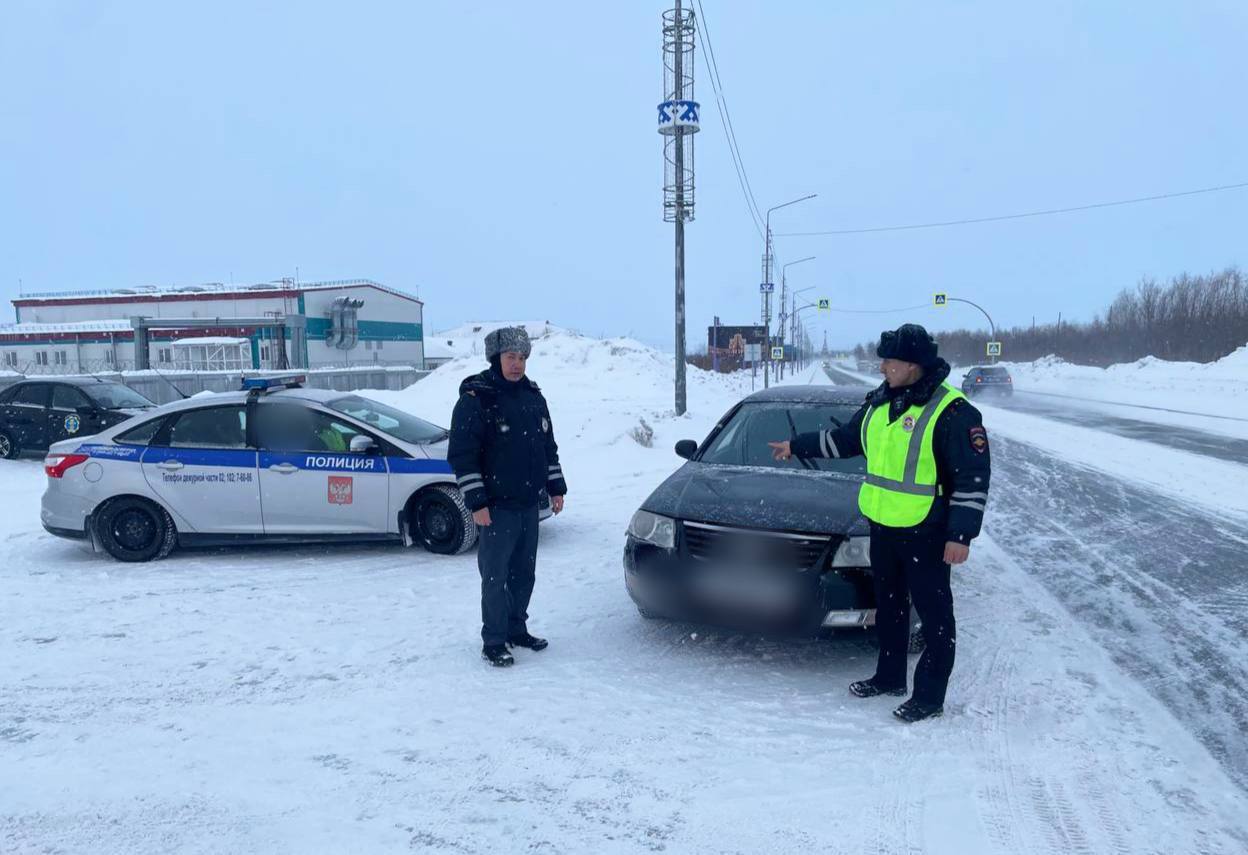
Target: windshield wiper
(806,464)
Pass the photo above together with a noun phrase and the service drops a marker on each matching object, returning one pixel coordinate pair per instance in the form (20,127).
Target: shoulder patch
(978,438)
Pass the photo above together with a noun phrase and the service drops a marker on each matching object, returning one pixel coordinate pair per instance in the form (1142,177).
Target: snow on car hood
(761,497)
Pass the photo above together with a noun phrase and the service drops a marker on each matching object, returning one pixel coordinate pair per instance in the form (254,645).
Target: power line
(1044,213)
(725,119)
(875,311)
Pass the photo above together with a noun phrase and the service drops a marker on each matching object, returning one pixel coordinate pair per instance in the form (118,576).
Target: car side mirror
(86,410)
(686,448)
(363,445)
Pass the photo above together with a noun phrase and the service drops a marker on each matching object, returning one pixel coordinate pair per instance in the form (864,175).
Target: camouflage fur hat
(507,339)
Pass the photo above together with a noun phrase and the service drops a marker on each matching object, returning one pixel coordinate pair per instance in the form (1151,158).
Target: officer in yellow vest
(925,492)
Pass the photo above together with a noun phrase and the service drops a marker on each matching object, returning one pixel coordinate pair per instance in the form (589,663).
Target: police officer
(924,495)
(503,452)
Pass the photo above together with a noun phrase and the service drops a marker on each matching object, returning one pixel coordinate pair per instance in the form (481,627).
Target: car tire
(133,529)
(8,448)
(441,522)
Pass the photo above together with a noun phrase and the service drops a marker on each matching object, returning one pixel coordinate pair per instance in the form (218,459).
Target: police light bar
(264,384)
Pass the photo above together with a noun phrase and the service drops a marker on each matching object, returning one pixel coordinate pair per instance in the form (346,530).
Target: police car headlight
(654,529)
(853,552)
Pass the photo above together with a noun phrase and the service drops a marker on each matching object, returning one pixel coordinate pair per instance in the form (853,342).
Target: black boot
(532,642)
(497,655)
(912,711)
(870,688)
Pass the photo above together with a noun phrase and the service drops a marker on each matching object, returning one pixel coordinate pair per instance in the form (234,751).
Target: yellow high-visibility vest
(901,466)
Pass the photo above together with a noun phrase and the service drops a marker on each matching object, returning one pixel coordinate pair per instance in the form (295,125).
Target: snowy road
(332,699)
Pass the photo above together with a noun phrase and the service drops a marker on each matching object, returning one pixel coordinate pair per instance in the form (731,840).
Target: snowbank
(469,339)
(1219,388)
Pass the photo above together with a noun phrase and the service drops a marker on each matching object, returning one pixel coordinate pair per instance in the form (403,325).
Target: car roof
(807,394)
(215,399)
(83,382)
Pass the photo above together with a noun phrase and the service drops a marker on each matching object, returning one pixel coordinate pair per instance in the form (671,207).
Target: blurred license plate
(750,590)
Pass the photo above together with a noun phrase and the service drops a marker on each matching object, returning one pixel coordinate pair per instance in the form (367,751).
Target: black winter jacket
(959,442)
(502,447)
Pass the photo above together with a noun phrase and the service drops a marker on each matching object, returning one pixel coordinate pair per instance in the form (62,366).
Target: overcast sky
(501,158)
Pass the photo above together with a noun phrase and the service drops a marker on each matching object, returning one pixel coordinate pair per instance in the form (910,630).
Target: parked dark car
(987,379)
(36,413)
(737,539)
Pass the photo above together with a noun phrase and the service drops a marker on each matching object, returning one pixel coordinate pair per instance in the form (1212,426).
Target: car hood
(760,497)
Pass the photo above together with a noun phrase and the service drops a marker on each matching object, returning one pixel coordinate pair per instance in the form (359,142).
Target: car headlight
(654,529)
(853,552)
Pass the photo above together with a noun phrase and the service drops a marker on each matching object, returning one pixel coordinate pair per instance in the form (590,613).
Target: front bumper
(668,583)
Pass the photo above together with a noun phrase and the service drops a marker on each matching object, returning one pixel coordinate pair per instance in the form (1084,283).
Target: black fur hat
(909,343)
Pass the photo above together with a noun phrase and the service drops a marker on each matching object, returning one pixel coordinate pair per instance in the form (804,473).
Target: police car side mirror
(363,445)
(686,448)
(86,411)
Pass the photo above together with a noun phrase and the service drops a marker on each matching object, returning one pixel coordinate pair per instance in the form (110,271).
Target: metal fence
(165,386)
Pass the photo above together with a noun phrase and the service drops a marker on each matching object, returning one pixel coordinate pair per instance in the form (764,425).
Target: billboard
(736,345)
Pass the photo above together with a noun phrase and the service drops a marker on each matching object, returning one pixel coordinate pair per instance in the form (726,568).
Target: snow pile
(1217,387)
(469,339)
(600,392)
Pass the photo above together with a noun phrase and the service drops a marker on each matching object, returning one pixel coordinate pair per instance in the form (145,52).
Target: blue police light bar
(264,384)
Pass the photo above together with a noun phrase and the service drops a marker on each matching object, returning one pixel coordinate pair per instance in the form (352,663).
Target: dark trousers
(908,565)
(507,558)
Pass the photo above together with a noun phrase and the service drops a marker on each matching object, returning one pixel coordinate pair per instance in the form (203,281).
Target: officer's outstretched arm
(964,447)
(845,441)
(463,451)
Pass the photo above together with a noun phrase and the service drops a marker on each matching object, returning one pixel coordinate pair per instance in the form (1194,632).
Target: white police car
(273,462)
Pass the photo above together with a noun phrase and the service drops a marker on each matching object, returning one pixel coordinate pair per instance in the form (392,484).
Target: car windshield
(395,422)
(743,441)
(114,396)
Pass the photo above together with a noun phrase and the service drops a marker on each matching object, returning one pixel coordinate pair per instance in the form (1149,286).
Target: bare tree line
(1190,319)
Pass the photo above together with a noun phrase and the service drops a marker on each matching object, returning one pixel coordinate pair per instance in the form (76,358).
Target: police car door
(200,465)
(72,414)
(310,480)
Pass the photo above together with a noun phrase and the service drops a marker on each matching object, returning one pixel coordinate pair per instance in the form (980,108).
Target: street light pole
(767,259)
(793,320)
(784,290)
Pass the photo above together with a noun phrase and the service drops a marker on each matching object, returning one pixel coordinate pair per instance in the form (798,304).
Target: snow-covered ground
(332,699)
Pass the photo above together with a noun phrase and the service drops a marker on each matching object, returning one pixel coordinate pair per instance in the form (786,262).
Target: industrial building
(277,325)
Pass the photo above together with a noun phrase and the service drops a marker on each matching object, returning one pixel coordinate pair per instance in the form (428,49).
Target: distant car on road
(34,414)
(987,379)
(739,539)
(273,462)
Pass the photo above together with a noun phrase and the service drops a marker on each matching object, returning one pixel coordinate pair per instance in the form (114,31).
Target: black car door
(26,415)
(71,414)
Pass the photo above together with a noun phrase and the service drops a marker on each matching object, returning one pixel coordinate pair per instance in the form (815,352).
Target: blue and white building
(350,322)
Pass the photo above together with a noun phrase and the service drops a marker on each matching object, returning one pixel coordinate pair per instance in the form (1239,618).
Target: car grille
(706,542)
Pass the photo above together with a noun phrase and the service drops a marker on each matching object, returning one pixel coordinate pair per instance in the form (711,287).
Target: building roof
(118,325)
(211,290)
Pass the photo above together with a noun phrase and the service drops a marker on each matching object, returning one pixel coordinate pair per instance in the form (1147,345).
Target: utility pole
(678,118)
(786,314)
(768,286)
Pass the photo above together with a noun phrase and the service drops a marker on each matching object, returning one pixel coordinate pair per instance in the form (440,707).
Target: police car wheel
(133,529)
(441,521)
(8,448)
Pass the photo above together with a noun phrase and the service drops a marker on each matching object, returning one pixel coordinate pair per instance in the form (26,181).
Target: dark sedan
(36,413)
(739,539)
(987,380)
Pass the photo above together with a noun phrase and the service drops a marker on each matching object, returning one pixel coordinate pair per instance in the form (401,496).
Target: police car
(272,462)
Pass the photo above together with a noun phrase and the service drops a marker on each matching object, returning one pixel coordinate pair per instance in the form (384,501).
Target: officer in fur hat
(503,452)
(925,492)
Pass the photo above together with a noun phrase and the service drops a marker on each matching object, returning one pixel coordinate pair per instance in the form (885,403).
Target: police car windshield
(743,441)
(395,422)
(114,396)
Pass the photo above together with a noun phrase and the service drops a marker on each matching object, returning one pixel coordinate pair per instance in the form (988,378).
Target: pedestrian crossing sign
(941,299)
(777,354)
(994,348)
(824,304)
